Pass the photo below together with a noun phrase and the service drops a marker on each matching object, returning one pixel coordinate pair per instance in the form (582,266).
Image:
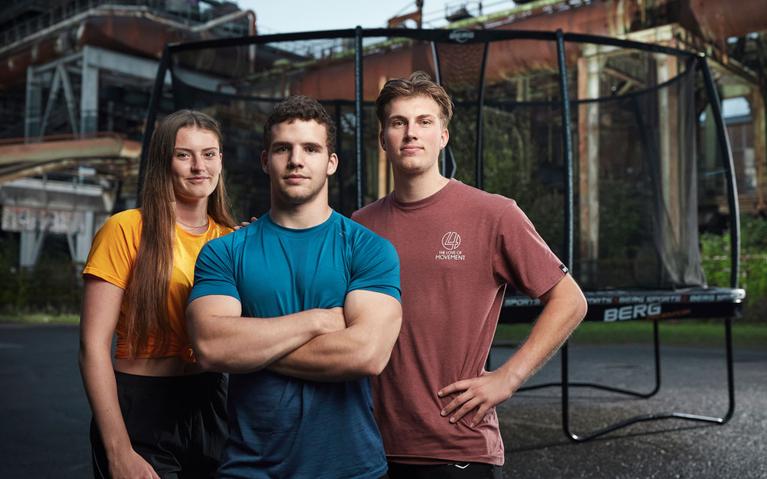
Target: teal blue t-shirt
(282,426)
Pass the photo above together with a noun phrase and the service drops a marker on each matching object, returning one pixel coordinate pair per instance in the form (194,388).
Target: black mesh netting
(635,119)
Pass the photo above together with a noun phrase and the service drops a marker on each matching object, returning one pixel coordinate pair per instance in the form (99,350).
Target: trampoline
(612,147)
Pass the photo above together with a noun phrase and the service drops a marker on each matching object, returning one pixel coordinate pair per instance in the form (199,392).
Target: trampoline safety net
(639,123)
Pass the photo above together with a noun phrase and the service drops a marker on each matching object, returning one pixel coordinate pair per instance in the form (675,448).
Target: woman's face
(196,164)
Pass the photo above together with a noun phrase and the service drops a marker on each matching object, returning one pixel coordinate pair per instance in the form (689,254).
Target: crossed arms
(317,344)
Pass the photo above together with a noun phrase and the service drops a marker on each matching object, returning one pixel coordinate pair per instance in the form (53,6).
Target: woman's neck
(192,215)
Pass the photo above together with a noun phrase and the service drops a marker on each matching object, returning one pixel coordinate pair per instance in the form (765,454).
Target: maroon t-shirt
(458,250)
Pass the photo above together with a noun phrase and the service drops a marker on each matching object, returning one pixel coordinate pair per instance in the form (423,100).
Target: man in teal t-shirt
(300,307)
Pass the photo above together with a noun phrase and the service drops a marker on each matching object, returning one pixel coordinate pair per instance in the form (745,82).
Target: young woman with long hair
(155,412)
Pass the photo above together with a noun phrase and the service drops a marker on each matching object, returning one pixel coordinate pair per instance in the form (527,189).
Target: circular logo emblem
(451,240)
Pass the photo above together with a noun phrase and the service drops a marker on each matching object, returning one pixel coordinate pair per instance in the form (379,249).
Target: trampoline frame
(487,36)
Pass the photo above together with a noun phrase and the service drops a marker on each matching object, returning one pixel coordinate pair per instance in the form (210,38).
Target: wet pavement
(44,413)
(692,381)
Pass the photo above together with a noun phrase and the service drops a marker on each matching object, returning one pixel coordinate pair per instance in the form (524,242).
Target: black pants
(177,424)
(466,470)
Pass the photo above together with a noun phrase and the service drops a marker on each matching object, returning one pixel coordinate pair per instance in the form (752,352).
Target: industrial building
(76,77)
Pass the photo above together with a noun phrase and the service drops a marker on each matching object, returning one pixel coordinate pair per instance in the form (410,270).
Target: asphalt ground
(44,414)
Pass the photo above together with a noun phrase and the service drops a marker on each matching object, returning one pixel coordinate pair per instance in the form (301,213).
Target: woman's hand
(245,223)
(131,466)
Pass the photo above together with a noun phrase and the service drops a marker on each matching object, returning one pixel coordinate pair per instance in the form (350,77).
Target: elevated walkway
(62,186)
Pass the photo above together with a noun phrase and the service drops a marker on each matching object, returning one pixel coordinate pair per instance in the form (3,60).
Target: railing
(67,10)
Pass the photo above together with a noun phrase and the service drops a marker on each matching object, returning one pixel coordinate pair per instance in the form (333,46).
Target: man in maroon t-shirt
(459,247)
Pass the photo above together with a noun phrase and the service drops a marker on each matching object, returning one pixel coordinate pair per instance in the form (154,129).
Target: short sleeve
(522,258)
(114,249)
(214,270)
(375,266)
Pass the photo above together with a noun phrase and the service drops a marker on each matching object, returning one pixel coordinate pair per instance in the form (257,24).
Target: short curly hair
(300,107)
(418,84)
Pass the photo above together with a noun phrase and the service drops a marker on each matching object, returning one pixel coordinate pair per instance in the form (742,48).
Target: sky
(282,16)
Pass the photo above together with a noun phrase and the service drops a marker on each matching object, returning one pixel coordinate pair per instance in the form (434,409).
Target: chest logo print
(450,252)
(451,240)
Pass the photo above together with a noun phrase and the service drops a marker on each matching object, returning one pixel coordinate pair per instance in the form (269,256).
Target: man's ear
(444,138)
(265,162)
(332,164)
(381,139)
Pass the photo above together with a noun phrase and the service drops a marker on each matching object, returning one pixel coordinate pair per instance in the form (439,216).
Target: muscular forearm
(564,309)
(338,356)
(237,344)
(362,349)
(561,314)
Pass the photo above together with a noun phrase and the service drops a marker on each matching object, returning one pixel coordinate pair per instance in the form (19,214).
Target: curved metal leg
(612,389)
(649,417)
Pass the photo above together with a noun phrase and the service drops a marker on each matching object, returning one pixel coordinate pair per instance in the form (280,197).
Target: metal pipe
(227,18)
(656,355)
(480,164)
(339,146)
(729,170)
(567,140)
(565,384)
(438,80)
(358,111)
(151,117)
(730,373)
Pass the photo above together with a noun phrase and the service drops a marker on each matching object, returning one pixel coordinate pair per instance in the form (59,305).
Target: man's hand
(481,393)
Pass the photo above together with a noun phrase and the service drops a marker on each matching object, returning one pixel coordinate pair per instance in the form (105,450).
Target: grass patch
(673,333)
(39,318)
(704,333)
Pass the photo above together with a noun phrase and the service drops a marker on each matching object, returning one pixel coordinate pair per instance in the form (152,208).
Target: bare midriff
(170,366)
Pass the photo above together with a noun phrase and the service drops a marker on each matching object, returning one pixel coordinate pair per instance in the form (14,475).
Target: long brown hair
(146,304)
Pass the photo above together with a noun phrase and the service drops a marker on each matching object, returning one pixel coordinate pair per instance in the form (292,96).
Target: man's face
(298,162)
(413,135)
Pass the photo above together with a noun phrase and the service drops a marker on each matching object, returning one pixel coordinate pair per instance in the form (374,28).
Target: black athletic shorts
(465,470)
(178,423)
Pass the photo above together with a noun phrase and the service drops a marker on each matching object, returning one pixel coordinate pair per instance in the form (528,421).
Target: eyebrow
(181,148)
(419,117)
(304,144)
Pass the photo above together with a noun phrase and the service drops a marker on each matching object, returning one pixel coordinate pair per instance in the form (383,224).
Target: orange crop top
(112,256)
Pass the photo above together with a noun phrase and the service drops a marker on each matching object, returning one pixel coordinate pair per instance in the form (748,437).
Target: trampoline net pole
(358,113)
(154,103)
(729,169)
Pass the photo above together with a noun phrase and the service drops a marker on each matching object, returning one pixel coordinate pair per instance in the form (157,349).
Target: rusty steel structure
(703,25)
(80,67)
(74,82)
(86,67)
(124,26)
(110,152)
(142,28)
